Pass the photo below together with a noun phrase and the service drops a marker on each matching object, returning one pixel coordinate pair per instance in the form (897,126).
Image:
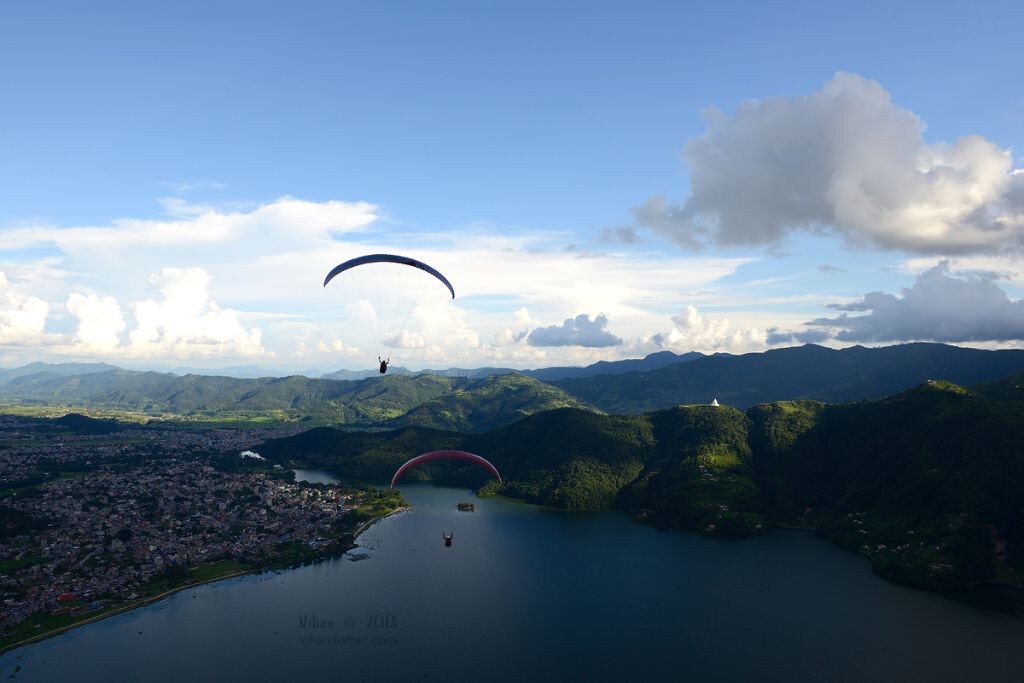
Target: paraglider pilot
(384,364)
(448,538)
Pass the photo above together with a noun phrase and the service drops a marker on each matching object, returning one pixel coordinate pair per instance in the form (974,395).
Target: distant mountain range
(604,367)
(65,369)
(465,402)
(653,361)
(810,371)
(451,402)
(239,371)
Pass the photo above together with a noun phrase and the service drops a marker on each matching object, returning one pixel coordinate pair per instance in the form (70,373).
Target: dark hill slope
(925,482)
(83,424)
(364,456)
(617,367)
(702,474)
(568,458)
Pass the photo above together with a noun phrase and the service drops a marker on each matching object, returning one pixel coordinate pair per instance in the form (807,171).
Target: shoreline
(144,602)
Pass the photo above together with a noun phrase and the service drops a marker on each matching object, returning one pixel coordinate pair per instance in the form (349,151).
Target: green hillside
(925,482)
(567,458)
(488,403)
(344,402)
(362,456)
(929,483)
(456,403)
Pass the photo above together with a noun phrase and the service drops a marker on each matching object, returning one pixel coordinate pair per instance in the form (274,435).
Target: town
(95,521)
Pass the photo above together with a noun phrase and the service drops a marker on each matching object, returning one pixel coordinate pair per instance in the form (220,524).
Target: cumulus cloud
(441,321)
(404,339)
(523,317)
(100,322)
(844,159)
(578,331)
(692,331)
(186,322)
(938,307)
(506,336)
(777,336)
(204,224)
(266,262)
(22,318)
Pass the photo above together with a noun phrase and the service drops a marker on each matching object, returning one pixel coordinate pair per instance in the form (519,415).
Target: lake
(526,593)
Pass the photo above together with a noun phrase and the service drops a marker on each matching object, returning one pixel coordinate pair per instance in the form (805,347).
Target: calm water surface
(530,594)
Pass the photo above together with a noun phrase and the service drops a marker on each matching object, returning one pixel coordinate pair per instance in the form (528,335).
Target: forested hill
(488,403)
(366,401)
(452,402)
(814,372)
(480,403)
(927,483)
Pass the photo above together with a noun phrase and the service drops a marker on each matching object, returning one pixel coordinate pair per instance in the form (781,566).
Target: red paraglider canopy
(445,455)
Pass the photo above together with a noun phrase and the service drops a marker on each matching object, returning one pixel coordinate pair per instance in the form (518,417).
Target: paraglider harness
(384,364)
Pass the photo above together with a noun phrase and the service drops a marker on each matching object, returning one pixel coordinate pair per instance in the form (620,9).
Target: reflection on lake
(525,593)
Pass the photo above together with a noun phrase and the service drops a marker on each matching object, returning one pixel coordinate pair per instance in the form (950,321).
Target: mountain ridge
(808,371)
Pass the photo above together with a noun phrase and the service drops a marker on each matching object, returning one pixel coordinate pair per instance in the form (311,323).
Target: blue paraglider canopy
(388,258)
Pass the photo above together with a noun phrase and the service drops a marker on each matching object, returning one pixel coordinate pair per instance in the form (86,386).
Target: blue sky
(480,127)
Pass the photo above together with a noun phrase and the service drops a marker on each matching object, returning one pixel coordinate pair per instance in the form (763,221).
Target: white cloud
(843,159)
(444,322)
(404,339)
(264,266)
(22,318)
(289,221)
(506,336)
(100,322)
(937,307)
(186,322)
(578,331)
(692,331)
(1004,267)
